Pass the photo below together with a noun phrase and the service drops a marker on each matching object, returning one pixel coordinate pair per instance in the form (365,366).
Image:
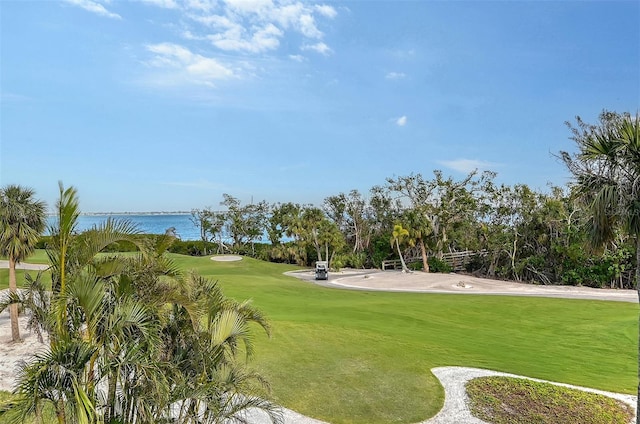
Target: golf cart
(322,270)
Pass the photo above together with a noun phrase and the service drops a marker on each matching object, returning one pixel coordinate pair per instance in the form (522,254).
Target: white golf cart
(322,270)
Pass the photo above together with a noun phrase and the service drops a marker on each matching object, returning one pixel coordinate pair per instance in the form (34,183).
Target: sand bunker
(422,282)
(226,258)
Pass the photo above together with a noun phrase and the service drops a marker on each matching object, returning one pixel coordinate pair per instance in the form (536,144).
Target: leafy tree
(440,205)
(22,221)
(244,223)
(351,215)
(606,170)
(211,224)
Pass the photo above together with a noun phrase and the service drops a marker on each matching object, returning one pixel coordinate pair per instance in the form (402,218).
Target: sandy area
(455,408)
(421,282)
(5,264)
(226,258)
(12,354)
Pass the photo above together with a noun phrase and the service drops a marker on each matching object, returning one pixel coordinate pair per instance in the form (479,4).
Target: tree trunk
(638,289)
(13,309)
(425,260)
(111,395)
(404,265)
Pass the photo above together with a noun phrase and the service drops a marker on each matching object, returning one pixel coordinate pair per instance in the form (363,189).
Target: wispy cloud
(235,38)
(297,57)
(251,26)
(321,48)
(327,11)
(401,121)
(467,165)
(13,97)
(94,7)
(395,75)
(183,66)
(166,4)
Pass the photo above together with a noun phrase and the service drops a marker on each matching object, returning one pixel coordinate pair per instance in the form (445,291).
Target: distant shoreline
(127,213)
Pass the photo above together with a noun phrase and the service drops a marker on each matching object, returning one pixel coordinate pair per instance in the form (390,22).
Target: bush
(476,263)
(380,250)
(415,266)
(438,265)
(192,247)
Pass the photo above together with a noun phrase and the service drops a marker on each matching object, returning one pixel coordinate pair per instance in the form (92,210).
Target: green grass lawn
(364,357)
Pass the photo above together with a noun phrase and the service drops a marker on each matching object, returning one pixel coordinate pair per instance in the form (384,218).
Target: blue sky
(163,105)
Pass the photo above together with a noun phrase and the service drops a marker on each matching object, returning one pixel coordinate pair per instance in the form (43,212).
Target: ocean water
(145,223)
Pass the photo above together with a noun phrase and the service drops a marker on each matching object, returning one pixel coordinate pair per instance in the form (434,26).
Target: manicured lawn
(39,257)
(364,357)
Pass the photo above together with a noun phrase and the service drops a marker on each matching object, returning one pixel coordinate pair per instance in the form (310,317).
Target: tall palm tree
(399,235)
(22,221)
(607,174)
(419,227)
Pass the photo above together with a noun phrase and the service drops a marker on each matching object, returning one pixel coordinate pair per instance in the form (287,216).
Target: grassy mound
(508,400)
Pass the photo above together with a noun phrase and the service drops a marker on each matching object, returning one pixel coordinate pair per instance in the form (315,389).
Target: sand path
(421,282)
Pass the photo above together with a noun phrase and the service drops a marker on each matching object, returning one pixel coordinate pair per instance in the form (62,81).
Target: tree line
(519,233)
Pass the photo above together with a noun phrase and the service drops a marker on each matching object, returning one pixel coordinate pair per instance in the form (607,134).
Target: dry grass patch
(501,400)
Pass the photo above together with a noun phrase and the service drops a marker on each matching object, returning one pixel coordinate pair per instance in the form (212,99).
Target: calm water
(149,224)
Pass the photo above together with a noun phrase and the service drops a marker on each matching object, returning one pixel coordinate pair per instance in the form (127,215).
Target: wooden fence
(456,260)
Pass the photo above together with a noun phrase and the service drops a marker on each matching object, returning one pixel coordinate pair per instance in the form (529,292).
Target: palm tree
(419,228)
(398,235)
(607,174)
(132,339)
(22,221)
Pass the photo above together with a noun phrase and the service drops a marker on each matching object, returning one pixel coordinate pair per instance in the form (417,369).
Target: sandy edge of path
(423,282)
(456,410)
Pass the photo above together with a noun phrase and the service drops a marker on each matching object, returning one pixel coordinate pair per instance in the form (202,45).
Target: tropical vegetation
(607,173)
(132,339)
(517,232)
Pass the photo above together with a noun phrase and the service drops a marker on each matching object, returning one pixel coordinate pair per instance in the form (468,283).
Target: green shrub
(415,266)
(477,263)
(438,265)
(380,250)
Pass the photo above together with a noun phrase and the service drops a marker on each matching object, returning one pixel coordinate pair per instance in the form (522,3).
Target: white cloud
(255,26)
(308,27)
(165,4)
(401,121)
(201,5)
(262,39)
(467,165)
(321,48)
(248,6)
(297,57)
(183,66)
(94,7)
(395,75)
(327,11)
